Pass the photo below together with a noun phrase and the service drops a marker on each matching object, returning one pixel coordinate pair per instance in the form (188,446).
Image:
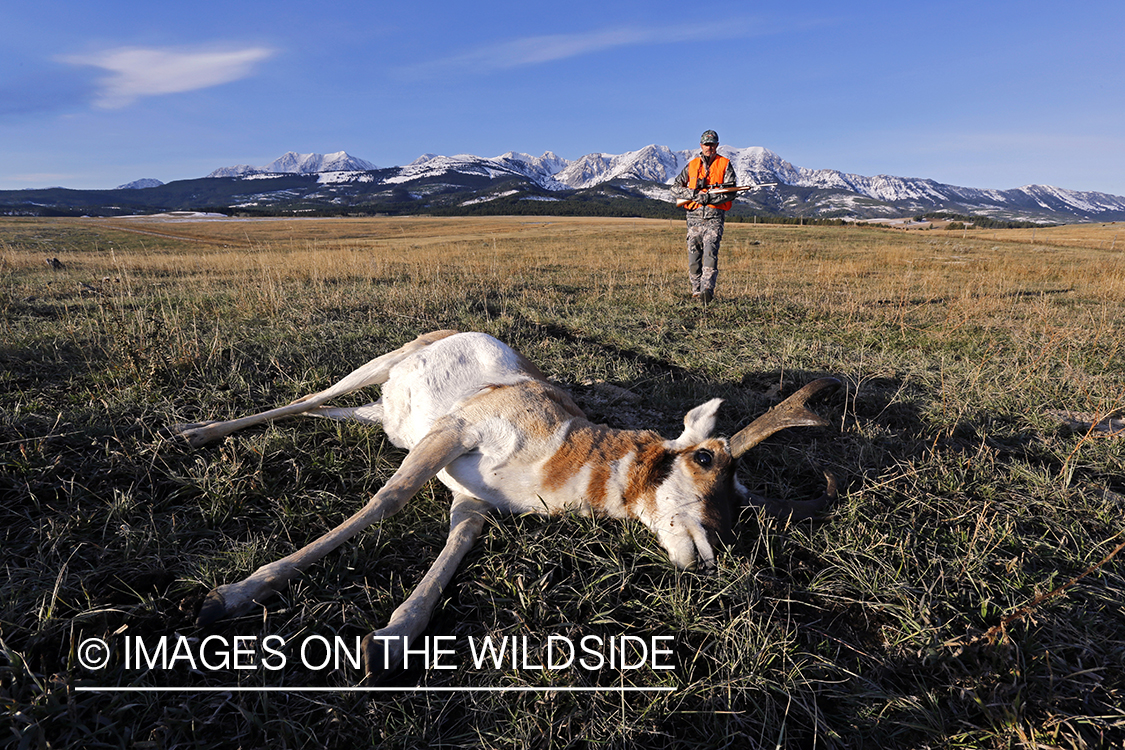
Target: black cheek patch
(717,510)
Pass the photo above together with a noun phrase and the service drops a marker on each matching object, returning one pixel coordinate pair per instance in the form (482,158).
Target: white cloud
(536,50)
(137,72)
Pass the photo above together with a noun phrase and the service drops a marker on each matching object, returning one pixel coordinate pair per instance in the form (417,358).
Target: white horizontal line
(244,689)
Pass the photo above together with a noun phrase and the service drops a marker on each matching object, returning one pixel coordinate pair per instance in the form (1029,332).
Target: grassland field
(964,591)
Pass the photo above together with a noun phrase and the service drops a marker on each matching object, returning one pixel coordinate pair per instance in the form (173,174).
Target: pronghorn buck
(485,421)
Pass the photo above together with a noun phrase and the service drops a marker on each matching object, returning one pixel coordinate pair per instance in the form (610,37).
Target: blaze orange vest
(698,175)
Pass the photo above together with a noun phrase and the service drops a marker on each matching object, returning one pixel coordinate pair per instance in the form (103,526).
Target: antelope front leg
(384,648)
(449,439)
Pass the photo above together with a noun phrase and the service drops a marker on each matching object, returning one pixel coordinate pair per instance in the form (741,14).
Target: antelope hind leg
(374,372)
(384,649)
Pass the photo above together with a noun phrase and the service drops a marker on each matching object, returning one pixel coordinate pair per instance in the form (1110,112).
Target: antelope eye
(704,457)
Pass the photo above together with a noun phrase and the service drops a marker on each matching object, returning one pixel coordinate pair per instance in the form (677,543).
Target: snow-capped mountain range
(649,172)
(636,183)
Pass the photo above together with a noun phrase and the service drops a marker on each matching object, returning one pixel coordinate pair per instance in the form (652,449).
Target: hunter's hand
(702,198)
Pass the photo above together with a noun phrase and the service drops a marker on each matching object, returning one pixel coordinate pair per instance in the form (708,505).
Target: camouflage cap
(709,136)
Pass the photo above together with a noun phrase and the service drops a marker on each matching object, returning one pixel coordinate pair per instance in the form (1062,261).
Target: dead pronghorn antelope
(486,422)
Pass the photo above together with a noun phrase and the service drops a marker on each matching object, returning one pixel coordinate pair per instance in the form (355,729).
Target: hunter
(706,213)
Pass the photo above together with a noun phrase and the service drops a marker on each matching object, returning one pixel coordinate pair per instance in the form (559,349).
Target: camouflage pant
(703,238)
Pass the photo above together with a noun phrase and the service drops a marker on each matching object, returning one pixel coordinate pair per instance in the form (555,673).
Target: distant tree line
(575,205)
(981,222)
(798,220)
(599,206)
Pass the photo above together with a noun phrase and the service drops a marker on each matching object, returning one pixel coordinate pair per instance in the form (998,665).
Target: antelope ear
(699,423)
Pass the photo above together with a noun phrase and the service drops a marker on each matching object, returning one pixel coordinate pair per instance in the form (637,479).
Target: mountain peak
(141,184)
(292,162)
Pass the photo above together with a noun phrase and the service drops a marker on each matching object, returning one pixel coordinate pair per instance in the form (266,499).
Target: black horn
(798,510)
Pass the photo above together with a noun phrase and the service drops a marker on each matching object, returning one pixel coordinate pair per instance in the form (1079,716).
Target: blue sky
(979,94)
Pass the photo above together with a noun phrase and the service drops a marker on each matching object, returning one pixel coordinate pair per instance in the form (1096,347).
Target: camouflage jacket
(681,191)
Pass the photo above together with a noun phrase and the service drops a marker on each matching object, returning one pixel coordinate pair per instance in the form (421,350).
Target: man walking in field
(706,213)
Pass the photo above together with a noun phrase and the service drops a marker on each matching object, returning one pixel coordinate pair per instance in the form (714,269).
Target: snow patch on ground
(487,198)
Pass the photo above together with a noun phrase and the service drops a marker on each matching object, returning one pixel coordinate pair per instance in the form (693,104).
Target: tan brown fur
(652,466)
(536,406)
(597,447)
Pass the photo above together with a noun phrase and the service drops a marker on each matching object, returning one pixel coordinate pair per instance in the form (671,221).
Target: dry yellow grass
(1059,284)
(880,264)
(1106,236)
(940,281)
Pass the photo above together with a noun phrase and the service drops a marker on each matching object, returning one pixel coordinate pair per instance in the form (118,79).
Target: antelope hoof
(194,434)
(214,608)
(382,652)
